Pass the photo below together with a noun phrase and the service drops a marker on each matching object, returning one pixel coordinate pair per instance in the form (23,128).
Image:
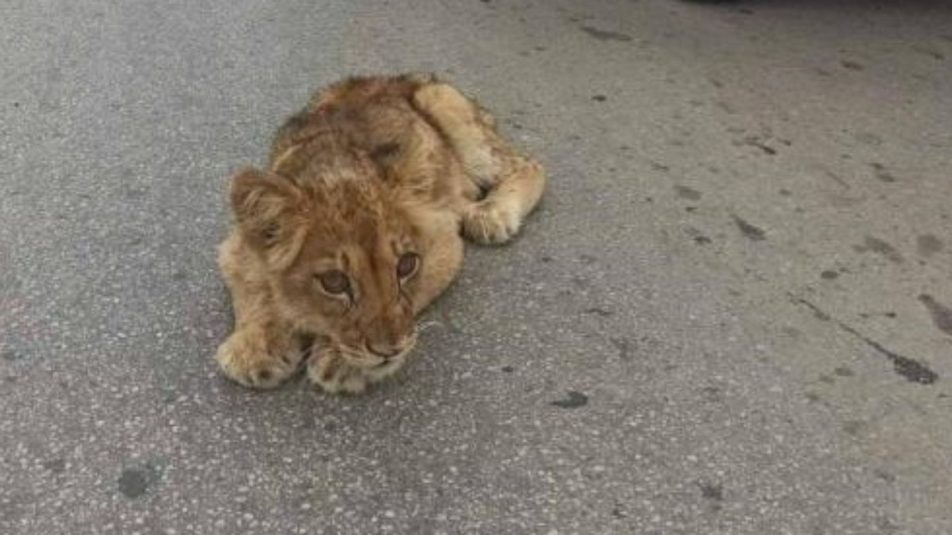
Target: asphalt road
(732,314)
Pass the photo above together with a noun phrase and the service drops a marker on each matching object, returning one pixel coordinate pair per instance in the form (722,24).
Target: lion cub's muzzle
(378,355)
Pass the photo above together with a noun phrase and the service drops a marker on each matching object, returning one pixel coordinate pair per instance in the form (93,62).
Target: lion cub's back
(372,114)
(359,92)
(372,119)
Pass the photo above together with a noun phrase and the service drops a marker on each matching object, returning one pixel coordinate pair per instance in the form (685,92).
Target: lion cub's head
(342,258)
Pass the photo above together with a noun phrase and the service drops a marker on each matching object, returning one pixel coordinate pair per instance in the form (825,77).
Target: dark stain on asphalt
(598,311)
(884,475)
(685,192)
(56,466)
(878,246)
(712,491)
(931,52)
(755,142)
(941,314)
(837,178)
(869,138)
(853,427)
(605,35)
(882,173)
(852,65)
(928,245)
(843,371)
(712,394)
(573,400)
(623,345)
(750,231)
(135,481)
(911,369)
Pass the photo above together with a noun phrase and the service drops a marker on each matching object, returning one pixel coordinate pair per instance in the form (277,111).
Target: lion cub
(355,226)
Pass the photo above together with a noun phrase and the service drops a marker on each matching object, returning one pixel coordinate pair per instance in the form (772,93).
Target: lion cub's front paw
(327,369)
(245,358)
(488,223)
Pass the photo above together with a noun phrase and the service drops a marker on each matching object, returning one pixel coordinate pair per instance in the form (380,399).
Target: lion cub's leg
(263,351)
(515,182)
(256,357)
(444,256)
(498,217)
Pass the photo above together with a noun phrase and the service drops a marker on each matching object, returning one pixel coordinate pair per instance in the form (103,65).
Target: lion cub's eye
(334,282)
(407,265)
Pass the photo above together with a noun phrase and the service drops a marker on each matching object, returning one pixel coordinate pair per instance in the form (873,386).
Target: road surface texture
(731,315)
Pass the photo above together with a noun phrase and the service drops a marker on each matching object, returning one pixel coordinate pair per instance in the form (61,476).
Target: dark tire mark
(751,232)
(941,314)
(843,371)
(56,466)
(912,370)
(928,244)
(573,400)
(852,65)
(836,178)
(134,481)
(623,345)
(605,35)
(879,246)
(713,492)
(598,311)
(754,142)
(685,192)
(854,427)
(931,52)
(882,173)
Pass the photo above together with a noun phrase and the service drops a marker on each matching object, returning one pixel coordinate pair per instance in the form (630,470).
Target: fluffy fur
(355,227)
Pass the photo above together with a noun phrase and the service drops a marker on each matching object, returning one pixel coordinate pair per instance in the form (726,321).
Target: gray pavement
(732,314)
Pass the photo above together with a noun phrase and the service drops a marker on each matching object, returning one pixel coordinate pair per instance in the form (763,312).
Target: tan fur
(372,169)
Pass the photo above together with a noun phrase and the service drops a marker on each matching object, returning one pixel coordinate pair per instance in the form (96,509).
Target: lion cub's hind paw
(489,224)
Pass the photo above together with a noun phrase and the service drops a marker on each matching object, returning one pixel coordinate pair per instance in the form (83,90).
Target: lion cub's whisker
(427,325)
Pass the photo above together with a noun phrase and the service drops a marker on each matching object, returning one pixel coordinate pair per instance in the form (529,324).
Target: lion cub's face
(342,259)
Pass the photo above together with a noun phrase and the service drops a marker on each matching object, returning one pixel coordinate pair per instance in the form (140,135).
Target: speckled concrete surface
(732,315)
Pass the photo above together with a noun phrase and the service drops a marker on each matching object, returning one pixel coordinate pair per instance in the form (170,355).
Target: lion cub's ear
(267,209)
